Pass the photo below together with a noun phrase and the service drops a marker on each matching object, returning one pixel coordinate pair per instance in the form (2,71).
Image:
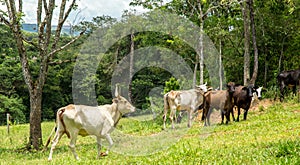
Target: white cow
(84,120)
(256,96)
(188,100)
(257,92)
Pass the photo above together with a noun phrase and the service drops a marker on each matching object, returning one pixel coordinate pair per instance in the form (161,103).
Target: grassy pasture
(269,136)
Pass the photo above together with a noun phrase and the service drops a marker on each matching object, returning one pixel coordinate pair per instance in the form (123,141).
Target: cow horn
(117,91)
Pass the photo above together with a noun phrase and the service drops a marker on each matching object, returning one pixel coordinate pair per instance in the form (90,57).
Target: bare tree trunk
(131,71)
(255,69)
(116,56)
(281,55)
(220,66)
(195,71)
(266,73)
(35,139)
(245,12)
(201,56)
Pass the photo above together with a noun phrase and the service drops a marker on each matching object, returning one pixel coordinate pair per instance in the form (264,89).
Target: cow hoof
(103,154)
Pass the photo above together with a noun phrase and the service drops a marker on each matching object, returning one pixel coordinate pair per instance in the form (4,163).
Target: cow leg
(73,143)
(189,114)
(282,92)
(180,115)
(232,114)
(207,122)
(295,89)
(56,139)
(172,114)
(99,146)
(245,114)
(227,114)
(203,115)
(222,116)
(165,117)
(110,141)
(239,112)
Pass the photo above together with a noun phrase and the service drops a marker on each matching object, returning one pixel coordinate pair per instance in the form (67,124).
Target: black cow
(288,78)
(242,99)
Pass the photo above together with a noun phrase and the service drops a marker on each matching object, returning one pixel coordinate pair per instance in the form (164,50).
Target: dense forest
(277,33)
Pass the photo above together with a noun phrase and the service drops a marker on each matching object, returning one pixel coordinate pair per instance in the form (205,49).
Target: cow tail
(49,139)
(60,120)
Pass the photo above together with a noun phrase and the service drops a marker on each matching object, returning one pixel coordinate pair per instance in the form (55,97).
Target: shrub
(14,106)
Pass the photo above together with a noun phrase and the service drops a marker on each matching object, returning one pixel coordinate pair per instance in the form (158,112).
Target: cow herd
(224,100)
(74,120)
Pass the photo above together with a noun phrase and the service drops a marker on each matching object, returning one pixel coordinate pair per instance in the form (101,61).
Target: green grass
(269,136)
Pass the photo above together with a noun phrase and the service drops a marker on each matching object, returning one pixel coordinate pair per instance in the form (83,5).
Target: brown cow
(220,100)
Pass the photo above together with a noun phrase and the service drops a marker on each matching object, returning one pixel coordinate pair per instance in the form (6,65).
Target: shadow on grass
(22,153)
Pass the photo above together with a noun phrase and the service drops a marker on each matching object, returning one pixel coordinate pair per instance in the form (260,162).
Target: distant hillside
(33,28)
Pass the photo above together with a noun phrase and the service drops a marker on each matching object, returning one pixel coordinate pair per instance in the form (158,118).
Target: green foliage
(14,106)
(172,84)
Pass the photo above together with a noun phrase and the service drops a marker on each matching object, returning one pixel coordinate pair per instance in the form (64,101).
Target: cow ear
(115,100)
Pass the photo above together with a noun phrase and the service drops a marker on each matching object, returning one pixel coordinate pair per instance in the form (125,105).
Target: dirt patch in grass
(297,111)
(256,105)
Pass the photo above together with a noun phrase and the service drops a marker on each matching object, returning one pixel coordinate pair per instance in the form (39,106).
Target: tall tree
(131,63)
(253,28)
(245,13)
(47,45)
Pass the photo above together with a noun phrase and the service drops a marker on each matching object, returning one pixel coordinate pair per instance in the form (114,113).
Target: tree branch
(45,6)
(69,10)
(208,11)
(31,43)
(193,6)
(191,60)
(62,19)
(4,20)
(66,45)
(20,6)
(39,13)
(9,10)
(60,62)
(48,19)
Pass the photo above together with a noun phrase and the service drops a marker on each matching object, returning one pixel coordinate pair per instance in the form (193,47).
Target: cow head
(124,106)
(202,87)
(249,89)
(258,91)
(231,87)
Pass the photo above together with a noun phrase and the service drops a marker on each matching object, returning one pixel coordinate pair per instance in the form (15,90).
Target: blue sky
(88,9)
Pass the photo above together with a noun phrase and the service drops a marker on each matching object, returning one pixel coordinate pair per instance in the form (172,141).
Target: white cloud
(87,9)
